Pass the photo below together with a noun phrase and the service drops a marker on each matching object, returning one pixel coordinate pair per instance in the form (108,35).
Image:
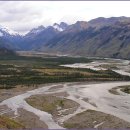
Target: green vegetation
(21,70)
(126,89)
(50,103)
(9,123)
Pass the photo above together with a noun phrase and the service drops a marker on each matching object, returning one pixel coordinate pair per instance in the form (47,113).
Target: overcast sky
(22,16)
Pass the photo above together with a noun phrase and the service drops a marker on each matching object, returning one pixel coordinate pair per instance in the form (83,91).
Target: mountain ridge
(104,37)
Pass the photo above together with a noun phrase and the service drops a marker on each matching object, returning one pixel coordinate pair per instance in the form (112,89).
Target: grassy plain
(32,71)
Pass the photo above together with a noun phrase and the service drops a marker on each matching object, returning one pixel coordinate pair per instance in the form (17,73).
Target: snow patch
(58,28)
(7,30)
(1,34)
(37,30)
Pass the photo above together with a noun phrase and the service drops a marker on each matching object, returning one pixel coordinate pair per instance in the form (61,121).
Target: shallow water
(123,66)
(97,94)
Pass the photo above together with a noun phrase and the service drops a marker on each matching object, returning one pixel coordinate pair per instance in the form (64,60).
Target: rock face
(105,41)
(104,37)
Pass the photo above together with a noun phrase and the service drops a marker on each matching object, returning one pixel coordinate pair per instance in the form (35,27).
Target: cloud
(22,16)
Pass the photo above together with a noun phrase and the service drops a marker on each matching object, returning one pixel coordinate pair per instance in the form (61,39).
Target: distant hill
(103,37)
(6,52)
(107,41)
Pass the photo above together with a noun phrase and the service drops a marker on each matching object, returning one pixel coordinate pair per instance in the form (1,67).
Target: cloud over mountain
(22,16)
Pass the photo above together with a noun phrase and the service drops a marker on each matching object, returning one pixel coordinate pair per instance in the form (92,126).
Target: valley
(58,91)
(64,65)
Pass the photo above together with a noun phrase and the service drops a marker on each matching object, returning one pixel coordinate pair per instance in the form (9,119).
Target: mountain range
(102,37)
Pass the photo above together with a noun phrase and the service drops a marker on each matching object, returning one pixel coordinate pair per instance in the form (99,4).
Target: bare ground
(55,104)
(19,89)
(95,119)
(59,106)
(115,92)
(30,120)
(8,93)
(25,118)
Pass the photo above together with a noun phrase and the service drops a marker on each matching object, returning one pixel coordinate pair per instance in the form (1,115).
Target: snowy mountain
(9,38)
(37,37)
(36,31)
(6,31)
(102,37)
(60,27)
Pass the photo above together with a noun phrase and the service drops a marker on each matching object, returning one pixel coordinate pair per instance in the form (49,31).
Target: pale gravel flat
(97,94)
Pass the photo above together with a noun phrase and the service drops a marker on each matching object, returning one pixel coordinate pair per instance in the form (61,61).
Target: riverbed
(97,95)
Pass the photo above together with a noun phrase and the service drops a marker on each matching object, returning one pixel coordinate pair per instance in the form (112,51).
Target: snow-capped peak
(7,30)
(37,30)
(63,25)
(60,27)
(57,26)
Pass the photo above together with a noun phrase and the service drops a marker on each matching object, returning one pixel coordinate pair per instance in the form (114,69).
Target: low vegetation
(51,104)
(95,119)
(126,89)
(9,123)
(23,70)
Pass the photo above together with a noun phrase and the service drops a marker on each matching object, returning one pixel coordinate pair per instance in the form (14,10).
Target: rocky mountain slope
(9,39)
(104,37)
(110,40)
(37,37)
